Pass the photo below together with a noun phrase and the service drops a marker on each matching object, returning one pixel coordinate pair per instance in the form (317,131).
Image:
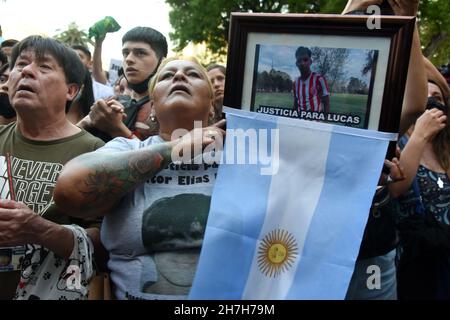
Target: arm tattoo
(113,178)
(142,166)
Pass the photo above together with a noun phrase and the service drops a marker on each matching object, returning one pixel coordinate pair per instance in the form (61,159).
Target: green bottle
(102,27)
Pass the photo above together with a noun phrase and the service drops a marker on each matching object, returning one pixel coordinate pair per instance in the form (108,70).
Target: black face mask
(433,103)
(6,110)
(142,86)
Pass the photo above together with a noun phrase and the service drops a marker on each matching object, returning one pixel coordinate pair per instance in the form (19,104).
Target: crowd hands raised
(56,109)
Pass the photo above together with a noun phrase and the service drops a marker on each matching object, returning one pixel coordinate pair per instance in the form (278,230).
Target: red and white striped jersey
(308,93)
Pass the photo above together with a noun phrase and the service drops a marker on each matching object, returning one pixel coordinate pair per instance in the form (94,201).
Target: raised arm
(359,5)
(427,126)
(416,93)
(97,68)
(415,97)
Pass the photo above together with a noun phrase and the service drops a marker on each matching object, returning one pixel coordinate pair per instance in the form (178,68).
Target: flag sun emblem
(277,252)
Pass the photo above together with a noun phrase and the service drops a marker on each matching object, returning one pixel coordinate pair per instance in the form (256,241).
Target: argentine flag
(291,227)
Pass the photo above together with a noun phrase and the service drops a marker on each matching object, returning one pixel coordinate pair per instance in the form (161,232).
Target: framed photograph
(329,68)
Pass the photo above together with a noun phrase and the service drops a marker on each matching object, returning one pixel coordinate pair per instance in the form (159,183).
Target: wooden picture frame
(380,101)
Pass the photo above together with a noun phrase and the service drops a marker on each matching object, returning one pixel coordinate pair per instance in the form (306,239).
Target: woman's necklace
(440,183)
(430,162)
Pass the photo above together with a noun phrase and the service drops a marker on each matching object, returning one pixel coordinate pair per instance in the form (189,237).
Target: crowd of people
(89,182)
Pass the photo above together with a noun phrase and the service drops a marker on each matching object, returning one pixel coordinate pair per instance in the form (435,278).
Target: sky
(283,59)
(20,18)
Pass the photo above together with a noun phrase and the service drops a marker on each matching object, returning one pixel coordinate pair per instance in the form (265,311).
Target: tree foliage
(370,60)
(434,22)
(274,81)
(357,86)
(207,21)
(330,63)
(73,35)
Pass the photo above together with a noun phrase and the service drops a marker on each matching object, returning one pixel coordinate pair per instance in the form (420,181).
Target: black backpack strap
(132,111)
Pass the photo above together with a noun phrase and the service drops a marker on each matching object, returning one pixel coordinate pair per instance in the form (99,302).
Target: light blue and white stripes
(295,234)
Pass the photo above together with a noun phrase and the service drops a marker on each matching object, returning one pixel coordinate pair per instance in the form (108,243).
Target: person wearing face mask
(415,95)
(143,48)
(380,241)
(7,113)
(423,222)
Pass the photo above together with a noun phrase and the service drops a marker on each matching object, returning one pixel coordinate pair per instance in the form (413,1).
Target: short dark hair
(86,96)
(302,51)
(3,68)
(217,66)
(9,43)
(66,57)
(148,35)
(82,48)
(3,58)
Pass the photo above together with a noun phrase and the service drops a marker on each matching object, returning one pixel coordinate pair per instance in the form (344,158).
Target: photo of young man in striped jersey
(311,91)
